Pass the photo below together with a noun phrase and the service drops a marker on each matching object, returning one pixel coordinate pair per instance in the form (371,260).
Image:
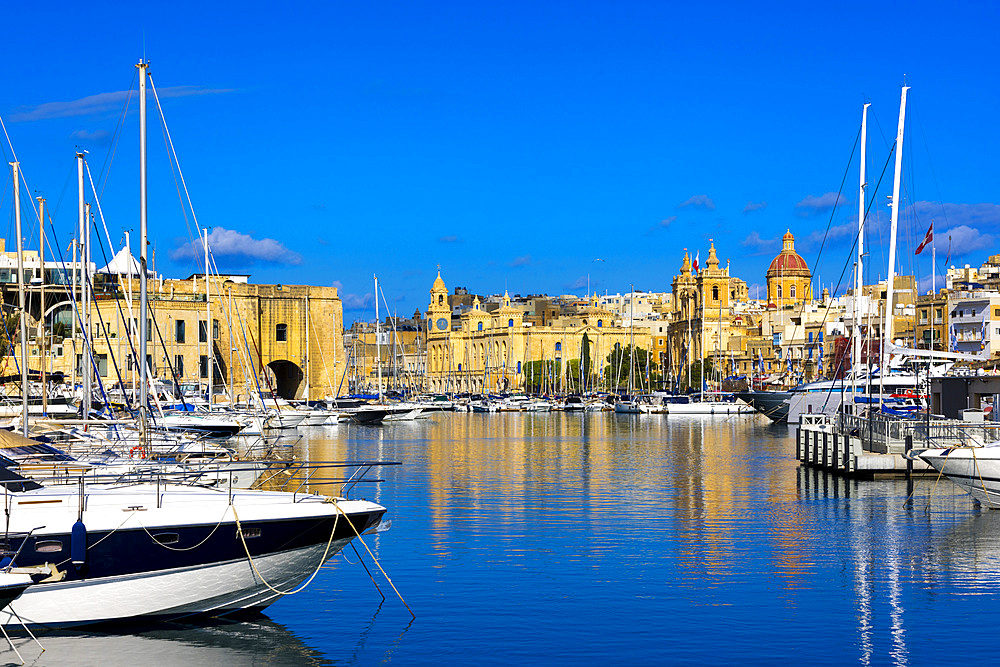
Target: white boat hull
(976,470)
(709,408)
(214,589)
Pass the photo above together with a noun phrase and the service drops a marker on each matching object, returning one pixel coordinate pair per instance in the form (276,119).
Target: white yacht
(114,552)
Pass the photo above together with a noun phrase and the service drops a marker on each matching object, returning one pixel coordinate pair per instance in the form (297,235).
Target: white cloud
(757,245)
(101,103)
(523,260)
(754,206)
(963,240)
(229,243)
(357,301)
(699,201)
(813,205)
(96,138)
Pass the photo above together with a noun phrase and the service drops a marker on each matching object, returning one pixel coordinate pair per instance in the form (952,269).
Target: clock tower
(438,312)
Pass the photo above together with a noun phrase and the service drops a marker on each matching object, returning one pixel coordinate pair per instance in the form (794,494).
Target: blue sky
(513,144)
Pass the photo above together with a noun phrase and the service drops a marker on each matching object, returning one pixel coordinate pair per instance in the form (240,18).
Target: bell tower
(438,312)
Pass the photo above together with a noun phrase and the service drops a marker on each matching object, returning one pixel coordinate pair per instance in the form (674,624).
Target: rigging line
(117,134)
(107,338)
(840,279)
(180,199)
(166,354)
(180,173)
(833,213)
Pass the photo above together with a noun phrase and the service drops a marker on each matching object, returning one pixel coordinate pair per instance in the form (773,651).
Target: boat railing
(886,433)
(287,476)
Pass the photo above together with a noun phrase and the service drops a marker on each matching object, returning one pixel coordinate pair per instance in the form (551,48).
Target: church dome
(788,262)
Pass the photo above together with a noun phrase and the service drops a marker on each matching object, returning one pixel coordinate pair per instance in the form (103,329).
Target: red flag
(927,238)
(695,265)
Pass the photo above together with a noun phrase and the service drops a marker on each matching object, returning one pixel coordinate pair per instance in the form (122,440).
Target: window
(179,331)
(460,368)
(202,331)
(179,365)
(715,293)
(281,332)
(558,347)
(519,368)
(203,366)
(600,323)
(480,327)
(215,329)
(810,336)
(510,323)
(779,291)
(102,365)
(791,292)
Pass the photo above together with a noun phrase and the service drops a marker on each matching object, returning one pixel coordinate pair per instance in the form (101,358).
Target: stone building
(499,350)
(702,323)
(286,339)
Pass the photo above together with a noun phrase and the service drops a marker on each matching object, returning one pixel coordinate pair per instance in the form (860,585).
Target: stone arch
(286,378)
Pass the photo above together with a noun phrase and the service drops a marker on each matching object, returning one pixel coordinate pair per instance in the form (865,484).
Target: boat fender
(78,543)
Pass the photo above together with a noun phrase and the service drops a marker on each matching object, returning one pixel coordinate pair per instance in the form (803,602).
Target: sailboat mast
(143,296)
(41,304)
(88,369)
(306,363)
(858,274)
(210,356)
(378,352)
(22,316)
(891,278)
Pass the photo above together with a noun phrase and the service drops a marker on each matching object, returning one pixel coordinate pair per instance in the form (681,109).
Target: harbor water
(595,538)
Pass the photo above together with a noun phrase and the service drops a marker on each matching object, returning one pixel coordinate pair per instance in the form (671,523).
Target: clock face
(442,323)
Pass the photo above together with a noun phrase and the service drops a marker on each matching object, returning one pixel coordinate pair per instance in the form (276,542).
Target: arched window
(715,292)
(779,291)
(440,299)
(791,291)
(280,332)
(510,323)
(600,323)
(460,368)
(519,368)
(558,347)
(480,327)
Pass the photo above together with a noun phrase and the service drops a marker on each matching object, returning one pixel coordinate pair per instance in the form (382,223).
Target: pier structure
(874,446)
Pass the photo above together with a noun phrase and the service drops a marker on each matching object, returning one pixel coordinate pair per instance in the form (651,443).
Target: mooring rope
(253,565)
(351,524)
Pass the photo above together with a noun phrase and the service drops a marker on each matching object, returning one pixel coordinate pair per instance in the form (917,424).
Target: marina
(514,535)
(336,334)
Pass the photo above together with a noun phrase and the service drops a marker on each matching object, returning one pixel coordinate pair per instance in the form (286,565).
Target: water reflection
(254,642)
(533,526)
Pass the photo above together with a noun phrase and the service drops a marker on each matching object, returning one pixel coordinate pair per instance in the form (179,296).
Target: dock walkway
(876,446)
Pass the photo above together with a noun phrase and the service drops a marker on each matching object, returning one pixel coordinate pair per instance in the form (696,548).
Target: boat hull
(771,404)
(214,589)
(976,470)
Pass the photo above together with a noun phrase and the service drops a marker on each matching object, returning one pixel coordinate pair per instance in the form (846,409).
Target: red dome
(787,262)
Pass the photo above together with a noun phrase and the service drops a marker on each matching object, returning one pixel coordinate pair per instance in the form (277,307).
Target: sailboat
(100,551)
(629,404)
